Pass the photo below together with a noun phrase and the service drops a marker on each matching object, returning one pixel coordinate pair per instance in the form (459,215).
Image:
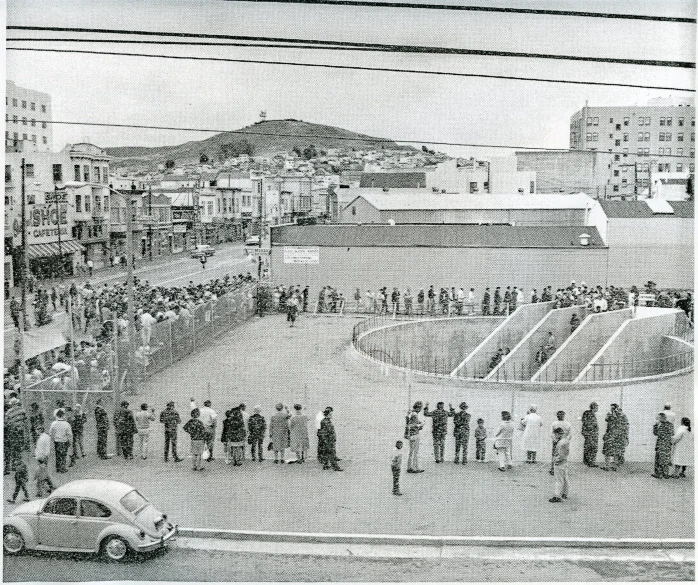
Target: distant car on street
(88,515)
(203,250)
(252,241)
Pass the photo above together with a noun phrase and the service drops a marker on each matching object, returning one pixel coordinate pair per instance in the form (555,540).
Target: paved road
(179,564)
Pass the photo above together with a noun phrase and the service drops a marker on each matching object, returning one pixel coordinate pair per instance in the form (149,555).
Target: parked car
(252,241)
(203,250)
(88,515)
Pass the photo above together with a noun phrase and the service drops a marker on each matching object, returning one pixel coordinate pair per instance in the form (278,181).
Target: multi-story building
(28,117)
(68,211)
(636,141)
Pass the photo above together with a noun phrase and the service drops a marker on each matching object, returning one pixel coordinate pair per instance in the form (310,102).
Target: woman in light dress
(682,448)
(531,425)
(300,442)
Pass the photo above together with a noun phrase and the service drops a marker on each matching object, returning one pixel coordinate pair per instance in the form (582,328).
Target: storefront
(52,260)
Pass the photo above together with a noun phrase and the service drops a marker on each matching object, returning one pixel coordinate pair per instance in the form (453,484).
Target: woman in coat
(236,435)
(531,424)
(278,432)
(664,431)
(682,448)
(300,442)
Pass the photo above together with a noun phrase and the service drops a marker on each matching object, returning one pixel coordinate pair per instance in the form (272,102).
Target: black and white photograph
(349,291)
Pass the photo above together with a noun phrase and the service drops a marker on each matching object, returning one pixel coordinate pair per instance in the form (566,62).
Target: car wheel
(115,548)
(12,541)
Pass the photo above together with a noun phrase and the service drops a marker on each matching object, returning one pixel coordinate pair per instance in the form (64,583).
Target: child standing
(480,436)
(561,451)
(43,479)
(396,467)
(21,479)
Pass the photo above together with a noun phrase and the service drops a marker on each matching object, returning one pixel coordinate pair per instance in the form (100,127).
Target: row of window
(25,121)
(32,105)
(641,120)
(641,137)
(34,138)
(661,167)
(90,231)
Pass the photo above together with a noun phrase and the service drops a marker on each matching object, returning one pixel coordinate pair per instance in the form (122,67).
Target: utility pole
(261,230)
(150,224)
(23,316)
(58,222)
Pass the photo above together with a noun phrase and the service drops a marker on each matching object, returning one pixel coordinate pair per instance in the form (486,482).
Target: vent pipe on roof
(584,239)
(391,221)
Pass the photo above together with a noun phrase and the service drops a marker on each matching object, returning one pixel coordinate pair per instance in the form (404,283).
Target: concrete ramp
(508,334)
(581,347)
(521,363)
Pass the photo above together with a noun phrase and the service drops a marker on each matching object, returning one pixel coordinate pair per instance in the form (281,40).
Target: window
(29,171)
(133,501)
(618,142)
(625,137)
(667,167)
(97,179)
(693,153)
(590,121)
(668,121)
(77,173)
(87,203)
(61,507)
(693,136)
(692,168)
(647,136)
(640,136)
(648,120)
(8,173)
(24,121)
(595,137)
(43,125)
(98,203)
(15,135)
(24,137)
(680,121)
(679,137)
(679,151)
(86,176)
(624,181)
(641,121)
(532,187)
(24,104)
(668,136)
(617,126)
(661,136)
(44,139)
(14,119)
(662,121)
(32,106)
(661,151)
(616,173)
(626,121)
(78,202)
(106,203)
(625,152)
(57,173)
(588,136)
(615,188)
(610,135)
(33,122)
(33,137)
(679,168)
(667,151)
(596,121)
(105,175)
(473,186)
(610,121)
(91,509)
(43,108)
(617,156)
(14,102)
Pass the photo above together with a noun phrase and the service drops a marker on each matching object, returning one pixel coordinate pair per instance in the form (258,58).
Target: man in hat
(590,432)
(171,419)
(125,426)
(461,430)
(257,427)
(439,428)
(102,423)
(328,442)
(62,437)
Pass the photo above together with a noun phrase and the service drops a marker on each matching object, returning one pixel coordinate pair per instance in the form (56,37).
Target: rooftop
(394,180)
(434,235)
(641,209)
(420,199)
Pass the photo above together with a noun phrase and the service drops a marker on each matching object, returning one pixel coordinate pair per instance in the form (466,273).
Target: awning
(51,249)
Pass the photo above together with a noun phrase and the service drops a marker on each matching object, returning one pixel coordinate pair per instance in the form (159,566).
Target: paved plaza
(264,362)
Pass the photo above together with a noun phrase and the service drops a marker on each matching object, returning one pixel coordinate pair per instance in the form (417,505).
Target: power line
(347,138)
(458,7)
(353,68)
(380,46)
(189,44)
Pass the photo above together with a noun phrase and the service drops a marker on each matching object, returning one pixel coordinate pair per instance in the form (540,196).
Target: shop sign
(43,224)
(301,255)
(179,228)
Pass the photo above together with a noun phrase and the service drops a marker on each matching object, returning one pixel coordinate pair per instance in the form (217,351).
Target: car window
(91,509)
(133,501)
(61,506)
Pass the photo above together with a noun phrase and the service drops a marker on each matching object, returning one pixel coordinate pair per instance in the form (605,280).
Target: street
(218,564)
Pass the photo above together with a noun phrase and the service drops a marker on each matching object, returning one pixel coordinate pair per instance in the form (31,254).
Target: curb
(438,541)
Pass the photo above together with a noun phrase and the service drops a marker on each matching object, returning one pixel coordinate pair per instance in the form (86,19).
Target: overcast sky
(394,105)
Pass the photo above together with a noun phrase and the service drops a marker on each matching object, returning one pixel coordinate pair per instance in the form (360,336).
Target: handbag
(270,446)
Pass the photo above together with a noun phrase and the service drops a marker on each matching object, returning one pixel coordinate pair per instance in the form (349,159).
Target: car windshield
(133,502)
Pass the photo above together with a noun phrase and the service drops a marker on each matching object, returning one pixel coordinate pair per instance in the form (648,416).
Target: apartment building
(28,116)
(637,141)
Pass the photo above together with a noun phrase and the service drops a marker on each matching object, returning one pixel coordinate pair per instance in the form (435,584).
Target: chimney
(584,239)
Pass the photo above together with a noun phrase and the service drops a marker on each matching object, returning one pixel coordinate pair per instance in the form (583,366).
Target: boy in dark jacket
(257,427)
(21,479)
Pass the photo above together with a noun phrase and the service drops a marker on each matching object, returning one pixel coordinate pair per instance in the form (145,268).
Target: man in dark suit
(461,430)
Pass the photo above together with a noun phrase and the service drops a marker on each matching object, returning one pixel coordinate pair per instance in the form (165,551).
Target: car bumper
(156,544)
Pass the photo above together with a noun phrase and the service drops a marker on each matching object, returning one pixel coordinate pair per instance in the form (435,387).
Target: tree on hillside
(310,152)
(170,164)
(236,148)
(297,151)
(203,158)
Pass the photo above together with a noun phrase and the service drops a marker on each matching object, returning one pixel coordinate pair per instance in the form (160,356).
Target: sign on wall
(301,255)
(43,224)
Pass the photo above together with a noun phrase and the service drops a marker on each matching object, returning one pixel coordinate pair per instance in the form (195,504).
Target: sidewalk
(263,362)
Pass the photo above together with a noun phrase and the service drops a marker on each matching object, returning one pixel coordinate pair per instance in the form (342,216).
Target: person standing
(143,419)
(62,437)
(328,440)
(590,432)
(90,266)
(42,451)
(291,309)
(125,426)
(17,427)
(300,442)
(318,423)
(278,432)
(257,428)
(208,418)
(396,467)
(21,480)
(233,436)
(486,302)
(413,427)
(439,428)
(480,438)
(245,420)
(682,445)
(504,439)
(102,424)
(77,425)
(531,424)
(171,419)
(497,301)
(670,414)
(14,311)
(561,451)
(198,434)
(613,439)
(664,431)
(566,430)
(461,430)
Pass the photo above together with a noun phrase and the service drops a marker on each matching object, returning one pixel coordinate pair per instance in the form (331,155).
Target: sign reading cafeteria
(301,255)
(43,223)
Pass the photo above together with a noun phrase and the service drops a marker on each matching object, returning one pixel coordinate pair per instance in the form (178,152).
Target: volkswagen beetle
(88,515)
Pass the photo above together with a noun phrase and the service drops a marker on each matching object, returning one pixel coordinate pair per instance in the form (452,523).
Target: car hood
(28,508)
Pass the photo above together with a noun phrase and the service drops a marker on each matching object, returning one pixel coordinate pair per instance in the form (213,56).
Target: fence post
(169,321)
